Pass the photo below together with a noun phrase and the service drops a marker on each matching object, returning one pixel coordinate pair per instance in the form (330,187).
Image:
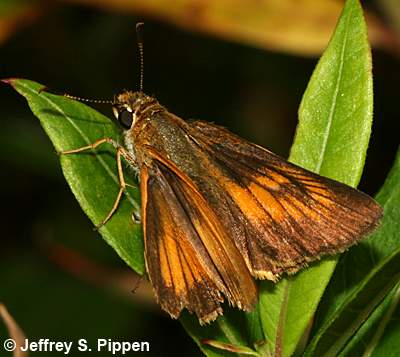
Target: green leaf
(335,114)
(362,279)
(385,341)
(380,334)
(241,350)
(234,327)
(92,175)
(223,330)
(335,119)
(333,336)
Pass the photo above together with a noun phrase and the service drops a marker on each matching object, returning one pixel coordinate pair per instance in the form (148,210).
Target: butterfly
(219,212)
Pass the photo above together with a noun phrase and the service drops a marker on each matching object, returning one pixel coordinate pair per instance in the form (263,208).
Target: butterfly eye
(125,118)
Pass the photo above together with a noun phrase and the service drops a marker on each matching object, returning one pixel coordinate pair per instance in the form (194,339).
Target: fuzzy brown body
(218,210)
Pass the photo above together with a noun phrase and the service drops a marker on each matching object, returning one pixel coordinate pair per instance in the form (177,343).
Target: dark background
(93,54)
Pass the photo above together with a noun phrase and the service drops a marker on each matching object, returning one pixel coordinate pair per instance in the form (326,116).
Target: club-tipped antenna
(139,36)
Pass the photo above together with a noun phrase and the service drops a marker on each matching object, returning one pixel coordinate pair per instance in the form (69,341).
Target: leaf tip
(8,80)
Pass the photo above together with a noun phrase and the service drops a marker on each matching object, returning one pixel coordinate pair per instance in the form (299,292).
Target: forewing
(280,215)
(190,260)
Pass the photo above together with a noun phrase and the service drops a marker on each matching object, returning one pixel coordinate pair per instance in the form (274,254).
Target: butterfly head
(130,106)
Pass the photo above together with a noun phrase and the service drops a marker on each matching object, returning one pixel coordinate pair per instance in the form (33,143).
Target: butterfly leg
(121,152)
(92,146)
(122,187)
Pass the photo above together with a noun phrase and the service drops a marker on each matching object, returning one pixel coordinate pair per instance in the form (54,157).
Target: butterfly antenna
(85,100)
(139,35)
(97,101)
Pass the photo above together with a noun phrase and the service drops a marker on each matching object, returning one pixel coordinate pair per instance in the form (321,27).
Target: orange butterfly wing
(190,259)
(280,216)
